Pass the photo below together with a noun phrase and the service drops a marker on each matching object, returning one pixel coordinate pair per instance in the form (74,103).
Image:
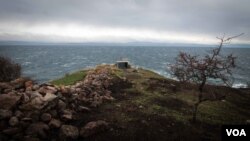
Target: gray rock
(72,90)
(7,91)
(28,89)
(65,90)
(78,90)
(53,112)
(24,98)
(108,98)
(5,114)
(95,104)
(67,115)
(93,128)
(39,129)
(35,87)
(36,103)
(28,84)
(42,90)
(18,83)
(68,132)
(49,97)
(33,94)
(13,121)
(4,85)
(11,131)
(9,101)
(46,117)
(54,123)
(51,89)
(61,105)
(26,119)
(18,114)
(141,107)
(83,109)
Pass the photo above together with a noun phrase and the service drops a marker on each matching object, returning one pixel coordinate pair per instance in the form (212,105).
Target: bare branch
(190,68)
(230,38)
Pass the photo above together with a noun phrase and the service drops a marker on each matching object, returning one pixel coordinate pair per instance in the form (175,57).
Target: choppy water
(47,62)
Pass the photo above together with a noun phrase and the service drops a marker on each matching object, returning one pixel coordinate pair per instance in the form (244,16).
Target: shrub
(9,70)
(191,68)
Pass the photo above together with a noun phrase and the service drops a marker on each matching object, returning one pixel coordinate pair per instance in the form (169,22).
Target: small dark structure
(122,64)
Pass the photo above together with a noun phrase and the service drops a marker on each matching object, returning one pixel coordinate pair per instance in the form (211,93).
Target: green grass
(70,79)
(178,105)
(119,73)
(150,99)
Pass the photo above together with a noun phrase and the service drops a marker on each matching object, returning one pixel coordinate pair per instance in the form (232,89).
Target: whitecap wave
(239,85)
(26,63)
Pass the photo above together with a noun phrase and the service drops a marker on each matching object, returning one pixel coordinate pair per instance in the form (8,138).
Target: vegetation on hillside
(70,79)
(151,107)
(9,70)
(196,69)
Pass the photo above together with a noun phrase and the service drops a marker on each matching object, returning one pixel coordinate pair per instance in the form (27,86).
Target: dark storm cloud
(211,17)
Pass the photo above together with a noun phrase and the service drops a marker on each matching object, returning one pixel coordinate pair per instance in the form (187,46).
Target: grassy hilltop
(151,107)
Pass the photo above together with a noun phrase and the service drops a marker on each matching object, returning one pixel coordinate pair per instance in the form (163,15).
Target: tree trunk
(195,111)
(199,100)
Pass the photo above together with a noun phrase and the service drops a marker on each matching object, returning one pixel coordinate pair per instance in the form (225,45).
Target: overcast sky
(174,21)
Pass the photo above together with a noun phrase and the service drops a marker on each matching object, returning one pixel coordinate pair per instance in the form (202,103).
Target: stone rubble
(29,111)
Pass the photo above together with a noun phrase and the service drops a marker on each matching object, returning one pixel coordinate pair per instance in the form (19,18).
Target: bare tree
(191,68)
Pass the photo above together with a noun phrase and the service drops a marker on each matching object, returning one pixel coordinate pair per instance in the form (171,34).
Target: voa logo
(236,132)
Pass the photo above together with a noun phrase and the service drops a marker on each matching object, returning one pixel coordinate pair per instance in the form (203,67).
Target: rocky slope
(41,112)
(111,104)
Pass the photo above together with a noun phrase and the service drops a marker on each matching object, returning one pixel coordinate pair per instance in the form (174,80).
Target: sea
(47,62)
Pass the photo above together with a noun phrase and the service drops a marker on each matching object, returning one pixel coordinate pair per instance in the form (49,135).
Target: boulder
(25,98)
(9,101)
(4,85)
(46,117)
(64,89)
(28,89)
(61,105)
(25,119)
(51,89)
(95,103)
(83,109)
(54,123)
(93,128)
(32,94)
(39,129)
(18,114)
(49,97)
(18,83)
(53,112)
(5,91)
(13,121)
(5,114)
(68,132)
(78,90)
(67,115)
(28,84)
(107,98)
(47,89)
(36,103)
(11,131)
(35,87)
(42,90)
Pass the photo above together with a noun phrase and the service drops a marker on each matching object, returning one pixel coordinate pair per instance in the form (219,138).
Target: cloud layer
(124,20)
